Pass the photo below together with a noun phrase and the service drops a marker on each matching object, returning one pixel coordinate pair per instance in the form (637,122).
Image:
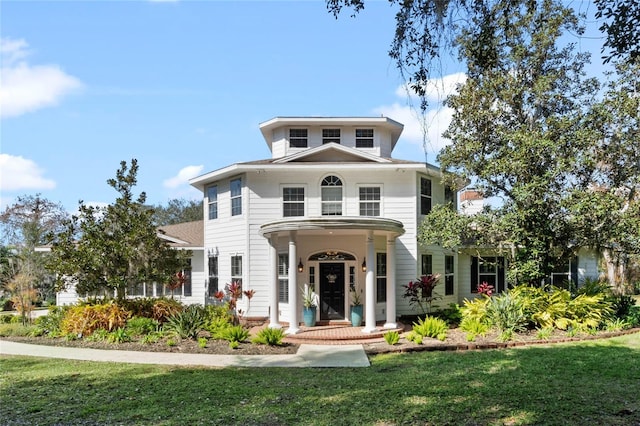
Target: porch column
(274,309)
(293,285)
(370,288)
(391,283)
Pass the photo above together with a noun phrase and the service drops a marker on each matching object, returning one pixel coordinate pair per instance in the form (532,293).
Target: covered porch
(337,257)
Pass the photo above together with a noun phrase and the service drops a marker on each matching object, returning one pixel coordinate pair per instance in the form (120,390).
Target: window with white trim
(426,267)
(330,135)
(236,270)
(565,274)
(292,201)
(425,195)
(283,278)
(381,277)
(369,200)
(449,275)
(298,138)
(213,275)
(331,189)
(489,270)
(364,138)
(212,198)
(236,197)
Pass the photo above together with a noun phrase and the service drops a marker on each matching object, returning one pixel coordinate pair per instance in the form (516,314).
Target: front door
(332,291)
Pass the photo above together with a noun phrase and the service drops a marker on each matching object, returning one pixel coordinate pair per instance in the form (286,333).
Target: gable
(332,153)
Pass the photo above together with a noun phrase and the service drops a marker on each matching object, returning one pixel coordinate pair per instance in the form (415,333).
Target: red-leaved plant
(485,289)
(420,292)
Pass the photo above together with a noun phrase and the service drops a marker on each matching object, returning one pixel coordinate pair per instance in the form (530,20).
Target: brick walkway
(338,334)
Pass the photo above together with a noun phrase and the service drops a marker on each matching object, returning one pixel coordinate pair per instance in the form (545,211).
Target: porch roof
(327,223)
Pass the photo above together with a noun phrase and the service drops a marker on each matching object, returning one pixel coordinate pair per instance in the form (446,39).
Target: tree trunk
(616,264)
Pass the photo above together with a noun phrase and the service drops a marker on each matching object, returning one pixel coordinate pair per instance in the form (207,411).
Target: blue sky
(183,86)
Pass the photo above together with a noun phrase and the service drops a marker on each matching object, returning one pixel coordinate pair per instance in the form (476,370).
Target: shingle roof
(190,233)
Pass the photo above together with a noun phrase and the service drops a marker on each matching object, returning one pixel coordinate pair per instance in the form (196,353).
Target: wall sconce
(364,265)
(300,266)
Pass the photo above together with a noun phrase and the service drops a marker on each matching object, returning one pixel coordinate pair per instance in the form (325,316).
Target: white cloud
(183,176)
(18,173)
(436,119)
(24,87)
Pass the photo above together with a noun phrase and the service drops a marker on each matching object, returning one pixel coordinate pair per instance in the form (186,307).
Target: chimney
(471,201)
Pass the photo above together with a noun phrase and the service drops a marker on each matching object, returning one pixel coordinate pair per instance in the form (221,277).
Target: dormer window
(330,135)
(364,138)
(298,138)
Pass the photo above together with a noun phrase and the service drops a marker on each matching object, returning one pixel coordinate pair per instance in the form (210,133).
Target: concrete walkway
(307,356)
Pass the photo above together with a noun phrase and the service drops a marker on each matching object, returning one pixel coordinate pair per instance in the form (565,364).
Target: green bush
(84,319)
(452,315)
(99,335)
(431,327)
(391,337)
(51,324)
(16,329)
(139,326)
(119,335)
(269,336)
(473,327)
(6,318)
(187,323)
(476,309)
(506,313)
(633,318)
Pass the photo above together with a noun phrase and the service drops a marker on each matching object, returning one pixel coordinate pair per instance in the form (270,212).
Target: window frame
(381,277)
(368,204)
(235,196)
(213,265)
(331,135)
(236,270)
(283,278)
(288,203)
(365,141)
(300,141)
(331,184)
(212,204)
(426,264)
(449,275)
(426,199)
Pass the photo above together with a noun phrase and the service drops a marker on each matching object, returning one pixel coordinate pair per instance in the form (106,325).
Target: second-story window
(292,202)
(425,195)
(450,197)
(330,135)
(370,201)
(236,197)
(298,138)
(364,138)
(212,196)
(331,196)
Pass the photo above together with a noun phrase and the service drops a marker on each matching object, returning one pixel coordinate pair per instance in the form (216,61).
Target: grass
(594,382)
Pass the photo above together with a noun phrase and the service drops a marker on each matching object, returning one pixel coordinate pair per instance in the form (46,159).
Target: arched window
(331,196)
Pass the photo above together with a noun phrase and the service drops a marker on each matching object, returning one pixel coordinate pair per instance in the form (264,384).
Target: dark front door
(332,291)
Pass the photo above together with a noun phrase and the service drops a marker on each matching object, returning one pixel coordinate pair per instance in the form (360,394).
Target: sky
(182,86)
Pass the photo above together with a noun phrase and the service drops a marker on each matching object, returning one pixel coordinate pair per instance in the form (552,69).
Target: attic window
(298,138)
(330,135)
(364,138)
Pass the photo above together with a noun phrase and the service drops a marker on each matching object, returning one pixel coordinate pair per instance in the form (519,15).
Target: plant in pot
(356,309)
(309,306)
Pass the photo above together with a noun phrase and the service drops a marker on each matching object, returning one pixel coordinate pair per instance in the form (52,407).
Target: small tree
(116,247)
(420,292)
(23,295)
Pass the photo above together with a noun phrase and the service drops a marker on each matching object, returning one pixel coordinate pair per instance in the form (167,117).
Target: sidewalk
(307,356)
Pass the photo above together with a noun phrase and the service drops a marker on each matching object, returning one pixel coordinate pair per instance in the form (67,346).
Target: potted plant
(310,306)
(356,309)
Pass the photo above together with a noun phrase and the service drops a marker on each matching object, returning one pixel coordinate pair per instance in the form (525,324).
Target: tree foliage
(622,27)
(177,210)
(114,248)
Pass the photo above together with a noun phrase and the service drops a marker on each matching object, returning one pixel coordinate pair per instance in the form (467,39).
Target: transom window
(236,197)
(212,196)
(298,138)
(292,202)
(364,138)
(425,195)
(330,135)
(331,196)
(370,201)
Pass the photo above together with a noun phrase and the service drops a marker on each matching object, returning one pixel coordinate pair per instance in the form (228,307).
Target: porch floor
(338,333)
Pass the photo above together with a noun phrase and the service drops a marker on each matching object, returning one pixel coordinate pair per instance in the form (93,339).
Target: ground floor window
(381,277)
(449,275)
(283,278)
(236,271)
(490,270)
(213,276)
(565,274)
(426,267)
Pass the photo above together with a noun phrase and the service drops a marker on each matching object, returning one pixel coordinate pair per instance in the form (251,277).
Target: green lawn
(595,382)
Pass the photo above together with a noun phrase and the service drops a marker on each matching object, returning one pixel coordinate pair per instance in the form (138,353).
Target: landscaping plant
(391,337)
(187,323)
(431,327)
(269,336)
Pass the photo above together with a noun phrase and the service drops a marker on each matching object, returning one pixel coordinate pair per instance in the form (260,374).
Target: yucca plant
(188,323)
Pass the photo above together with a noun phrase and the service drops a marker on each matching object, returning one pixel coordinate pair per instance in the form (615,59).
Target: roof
(184,235)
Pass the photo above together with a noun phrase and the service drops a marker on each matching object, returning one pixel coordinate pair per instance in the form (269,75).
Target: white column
(293,286)
(274,309)
(370,288)
(391,283)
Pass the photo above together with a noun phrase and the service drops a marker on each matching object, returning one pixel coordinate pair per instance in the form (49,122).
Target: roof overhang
(378,225)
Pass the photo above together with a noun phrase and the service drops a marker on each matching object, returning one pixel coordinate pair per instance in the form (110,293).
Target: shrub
(218,318)
(475,309)
(139,326)
(544,333)
(85,319)
(633,318)
(473,327)
(16,329)
(202,342)
(622,305)
(269,336)
(187,323)
(506,314)
(119,335)
(163,309)
(452,315)
(6,318)
(51,324)
(236,333)
(431,327)
(616,325)
(100,335)
(234,344)
(151,338)
(391,337)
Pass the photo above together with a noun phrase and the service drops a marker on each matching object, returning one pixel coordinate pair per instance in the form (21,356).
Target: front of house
(331,209)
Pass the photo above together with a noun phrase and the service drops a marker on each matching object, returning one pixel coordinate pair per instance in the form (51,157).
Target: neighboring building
(333,210)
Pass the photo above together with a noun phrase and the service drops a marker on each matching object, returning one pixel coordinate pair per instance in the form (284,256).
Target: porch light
(300,266)
(364,265)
